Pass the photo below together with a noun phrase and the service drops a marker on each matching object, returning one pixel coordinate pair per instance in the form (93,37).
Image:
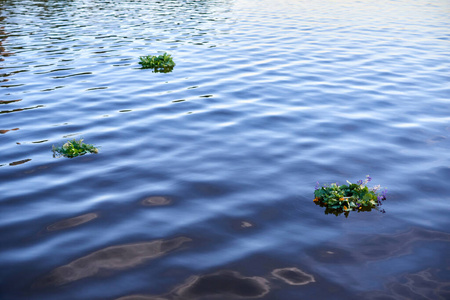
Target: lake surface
(204,183)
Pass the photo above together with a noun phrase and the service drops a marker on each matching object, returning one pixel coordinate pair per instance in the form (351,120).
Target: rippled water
(204,182)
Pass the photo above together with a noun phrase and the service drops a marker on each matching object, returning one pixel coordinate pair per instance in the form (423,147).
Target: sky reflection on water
(204,183)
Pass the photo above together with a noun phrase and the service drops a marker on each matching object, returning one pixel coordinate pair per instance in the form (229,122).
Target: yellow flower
(316,199)
(341,199)
(345,207)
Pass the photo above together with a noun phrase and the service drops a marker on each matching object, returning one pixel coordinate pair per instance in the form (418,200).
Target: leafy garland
(162,63)
(73,148)
(352,197)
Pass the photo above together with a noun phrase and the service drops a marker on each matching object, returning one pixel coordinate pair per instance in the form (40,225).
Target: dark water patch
(156,201)
(114,258)
(299,92)
(20,109)
(242,225)
(53,88)
(221,285)
(71,75)
(9,101)
(97,88)
(142,297)
(331,255)
(293,276)
(437,139)
(55,70)
(424,284)
(11,85)
(378,247)
(19,162)
(72,222)
(3,131)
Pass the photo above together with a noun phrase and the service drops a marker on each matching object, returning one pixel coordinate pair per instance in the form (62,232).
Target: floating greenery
(352,197)
(160,64)
(73,148)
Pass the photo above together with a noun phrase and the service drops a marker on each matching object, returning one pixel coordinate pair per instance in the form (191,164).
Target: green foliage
(73,148)
(352,197)
(162,63)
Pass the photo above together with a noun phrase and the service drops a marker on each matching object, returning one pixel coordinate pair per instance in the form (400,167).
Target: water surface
(204,182)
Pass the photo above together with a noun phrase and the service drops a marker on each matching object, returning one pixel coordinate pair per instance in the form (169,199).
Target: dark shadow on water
(293,276)
(223,284)
(20,109)
(112,258)
(142,297)
(425,284)
(72,222)
(227,284)
(9,101)
(360,249)
(19,162)
(3,131)
(156,201)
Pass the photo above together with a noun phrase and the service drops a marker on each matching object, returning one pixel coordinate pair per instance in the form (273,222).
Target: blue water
(203,185)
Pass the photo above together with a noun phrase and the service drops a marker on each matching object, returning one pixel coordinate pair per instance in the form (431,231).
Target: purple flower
(317,185)
(368,178)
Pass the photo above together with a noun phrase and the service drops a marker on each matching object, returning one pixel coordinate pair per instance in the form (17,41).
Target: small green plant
(162,63)
(73,148)
(352,197)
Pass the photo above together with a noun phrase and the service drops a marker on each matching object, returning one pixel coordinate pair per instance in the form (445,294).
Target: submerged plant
(352,197)
(73,148)
(162,63)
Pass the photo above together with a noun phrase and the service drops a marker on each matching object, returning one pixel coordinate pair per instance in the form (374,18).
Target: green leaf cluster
(162,63)
(349,197)
(73,148)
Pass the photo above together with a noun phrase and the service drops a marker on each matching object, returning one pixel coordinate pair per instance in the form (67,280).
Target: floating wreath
(160,64)
(73,148)
(352,197)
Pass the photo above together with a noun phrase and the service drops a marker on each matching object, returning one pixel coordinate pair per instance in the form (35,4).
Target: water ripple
(266,99)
